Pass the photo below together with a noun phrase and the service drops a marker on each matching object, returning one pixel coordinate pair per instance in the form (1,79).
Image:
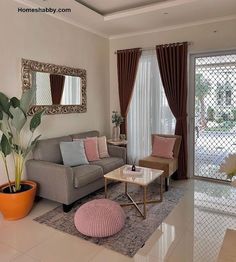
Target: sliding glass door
(213,109)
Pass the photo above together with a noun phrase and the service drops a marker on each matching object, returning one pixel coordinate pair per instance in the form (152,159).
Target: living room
(195,220)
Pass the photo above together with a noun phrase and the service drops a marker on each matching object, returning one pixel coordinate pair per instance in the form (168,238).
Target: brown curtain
(172,60)
(127,65)
(57,87)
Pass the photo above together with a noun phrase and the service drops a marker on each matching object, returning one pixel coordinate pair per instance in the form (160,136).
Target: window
(149,112)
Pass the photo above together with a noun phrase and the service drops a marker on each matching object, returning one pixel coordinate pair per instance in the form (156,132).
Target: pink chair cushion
(163,146)
(91,148)
(99,218)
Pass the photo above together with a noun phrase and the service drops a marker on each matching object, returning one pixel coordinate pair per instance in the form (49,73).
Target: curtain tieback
(181,117)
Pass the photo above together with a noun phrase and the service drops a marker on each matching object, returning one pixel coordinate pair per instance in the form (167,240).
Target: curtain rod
(153,48)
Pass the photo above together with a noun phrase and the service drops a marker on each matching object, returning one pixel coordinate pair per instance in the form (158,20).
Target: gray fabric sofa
(67,184)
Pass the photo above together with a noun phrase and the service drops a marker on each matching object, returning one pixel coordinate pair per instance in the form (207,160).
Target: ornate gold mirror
(59,89)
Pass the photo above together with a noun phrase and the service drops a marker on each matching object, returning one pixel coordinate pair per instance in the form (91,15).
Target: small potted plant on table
(17,197)
(117,119)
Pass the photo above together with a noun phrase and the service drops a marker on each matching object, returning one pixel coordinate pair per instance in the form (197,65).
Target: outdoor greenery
(202,88)
(234,114)
(224,126)
(117,119)
(13,120)
(210,114)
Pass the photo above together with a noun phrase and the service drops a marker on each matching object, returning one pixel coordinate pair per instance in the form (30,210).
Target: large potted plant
(16,142)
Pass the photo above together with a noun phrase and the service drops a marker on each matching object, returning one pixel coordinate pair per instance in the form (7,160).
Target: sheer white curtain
(149,111)
(71,92)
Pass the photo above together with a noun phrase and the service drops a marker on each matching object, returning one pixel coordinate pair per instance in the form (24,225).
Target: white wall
(202,37)
(46,39)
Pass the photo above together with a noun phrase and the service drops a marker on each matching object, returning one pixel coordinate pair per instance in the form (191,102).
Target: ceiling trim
(169,28)
(145,9)
(63,18)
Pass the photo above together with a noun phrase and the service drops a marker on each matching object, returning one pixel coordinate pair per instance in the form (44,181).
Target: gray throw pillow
(73,153)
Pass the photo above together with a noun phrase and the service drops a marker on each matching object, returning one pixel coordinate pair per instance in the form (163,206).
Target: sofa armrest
(117,151)
(54,180)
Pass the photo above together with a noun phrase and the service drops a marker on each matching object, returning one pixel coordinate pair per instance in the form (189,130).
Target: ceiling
(119,18)
(105,7)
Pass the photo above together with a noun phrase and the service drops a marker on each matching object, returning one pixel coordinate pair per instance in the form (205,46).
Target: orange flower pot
(17,205)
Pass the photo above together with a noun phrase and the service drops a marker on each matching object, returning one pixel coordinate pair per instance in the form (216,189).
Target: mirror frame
(28,66)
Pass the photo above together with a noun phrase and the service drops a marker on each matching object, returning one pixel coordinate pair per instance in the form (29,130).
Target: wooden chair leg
(166,183)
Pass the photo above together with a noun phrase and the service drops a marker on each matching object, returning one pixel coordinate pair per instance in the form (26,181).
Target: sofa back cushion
(93,133)
(49,149)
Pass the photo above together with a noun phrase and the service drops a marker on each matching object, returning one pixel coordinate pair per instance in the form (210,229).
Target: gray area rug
(136,230)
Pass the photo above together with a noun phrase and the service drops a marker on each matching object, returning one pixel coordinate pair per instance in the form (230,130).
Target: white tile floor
(193,231)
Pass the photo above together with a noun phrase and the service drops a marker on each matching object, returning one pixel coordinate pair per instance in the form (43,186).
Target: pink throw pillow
(102,147)
(163,146)
(91,148)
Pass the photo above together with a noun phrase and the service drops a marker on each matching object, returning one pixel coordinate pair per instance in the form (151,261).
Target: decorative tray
(128,171)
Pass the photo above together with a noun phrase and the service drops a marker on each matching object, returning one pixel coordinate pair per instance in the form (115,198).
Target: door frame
(191,107)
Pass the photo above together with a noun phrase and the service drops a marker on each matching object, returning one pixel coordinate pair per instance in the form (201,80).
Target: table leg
(144,201)
(161,188)
(126,188)
(105,188)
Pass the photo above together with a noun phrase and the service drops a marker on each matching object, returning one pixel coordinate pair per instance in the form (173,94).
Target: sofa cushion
(73,153)
(109,164)
(49,149)
(86,174)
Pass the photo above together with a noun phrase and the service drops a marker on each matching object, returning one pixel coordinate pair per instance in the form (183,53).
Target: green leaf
(4,125)
(15,102)
(32,145)
(10,138)
(4,103)
(19,119)
(17,148)
(5,146)
(27,99)
(36,120)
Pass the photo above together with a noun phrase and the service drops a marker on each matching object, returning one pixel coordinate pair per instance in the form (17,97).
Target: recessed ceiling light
(165,13)
(215,31)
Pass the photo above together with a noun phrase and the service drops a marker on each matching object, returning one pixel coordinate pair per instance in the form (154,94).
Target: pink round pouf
(99,218)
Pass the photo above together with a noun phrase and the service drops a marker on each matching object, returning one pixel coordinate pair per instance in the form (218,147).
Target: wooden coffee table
(147,177)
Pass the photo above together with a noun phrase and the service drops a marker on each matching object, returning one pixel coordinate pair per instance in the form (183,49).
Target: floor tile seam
(38,244)
(181,239)
(176,241)
(10,246)
(25,254)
